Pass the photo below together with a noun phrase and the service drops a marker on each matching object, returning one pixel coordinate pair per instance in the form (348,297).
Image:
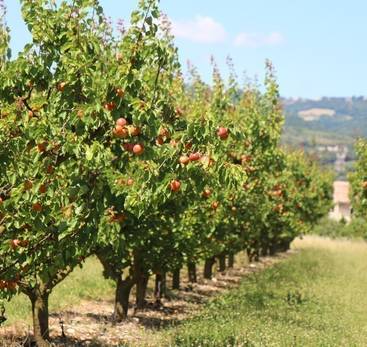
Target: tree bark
(122,295)
(222,262)
(160,287)
(141,289)
(191,267)
(208,268)
(176,279)
(39,300)
(230,260)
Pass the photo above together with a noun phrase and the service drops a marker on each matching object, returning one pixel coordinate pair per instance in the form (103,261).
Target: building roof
(341,192)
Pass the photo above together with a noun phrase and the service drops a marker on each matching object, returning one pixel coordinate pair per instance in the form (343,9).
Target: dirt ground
(90,323)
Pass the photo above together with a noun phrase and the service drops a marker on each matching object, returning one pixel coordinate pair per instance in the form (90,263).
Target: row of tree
(106,150)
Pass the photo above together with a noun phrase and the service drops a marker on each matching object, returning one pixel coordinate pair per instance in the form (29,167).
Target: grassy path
(318,297)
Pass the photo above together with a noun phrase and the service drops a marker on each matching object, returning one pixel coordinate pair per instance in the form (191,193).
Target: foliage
(104,150)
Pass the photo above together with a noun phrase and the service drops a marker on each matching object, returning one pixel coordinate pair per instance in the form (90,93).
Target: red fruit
(1,200)
(61,86)
(175,185)
(164,132)
(188,145)
(134,131)
(30,114)
(14,244)
(222,133)
(159,141)
(207,193)
(50,169)
(120,132)
(23,243)
(37,207)
(121,122)
(215,205)
(28,185)
(138,149)
(110,106)
(128,147)
(184,159)
(42,147)
(43,189)
(120,92)
(195,156)
(130,182)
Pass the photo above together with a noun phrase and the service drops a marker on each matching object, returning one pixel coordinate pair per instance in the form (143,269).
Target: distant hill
(318,125)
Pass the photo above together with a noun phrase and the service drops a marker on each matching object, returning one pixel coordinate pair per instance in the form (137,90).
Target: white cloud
(258,40)
(202,29)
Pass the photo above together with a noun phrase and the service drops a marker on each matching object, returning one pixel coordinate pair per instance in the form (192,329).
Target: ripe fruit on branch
(110,106)
(138,149)
(222,133)
(14,244)
(195,156)
(163,132)
(188,145)
(42,147)
(118,218)
(28,185)
(128,147)
(159,141)
(61,86)
(206,193)
(37,207)
(121,122)
(43,189)
(215,205)
(134,131)
(50,169)
(130,182)
(120,132)
(175,185)
(364,185)
(184,159)
(120,92)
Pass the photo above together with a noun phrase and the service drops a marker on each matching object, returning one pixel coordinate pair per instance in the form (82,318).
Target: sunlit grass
(315,298)
(85,283)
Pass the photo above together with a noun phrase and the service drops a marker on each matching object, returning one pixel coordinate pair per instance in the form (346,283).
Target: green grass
(315,298)
(86,283)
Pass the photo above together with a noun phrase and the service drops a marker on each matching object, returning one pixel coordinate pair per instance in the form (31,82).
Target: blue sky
(318,47)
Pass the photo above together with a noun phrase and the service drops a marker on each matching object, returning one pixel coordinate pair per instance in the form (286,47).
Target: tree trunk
(230,260)
(160,287)
(208,268)
(176,279)
(39,302)
(222,262)
(123,289)
(191,267)
(141,289)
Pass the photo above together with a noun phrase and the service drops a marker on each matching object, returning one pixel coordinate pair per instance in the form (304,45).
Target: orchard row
(106,150)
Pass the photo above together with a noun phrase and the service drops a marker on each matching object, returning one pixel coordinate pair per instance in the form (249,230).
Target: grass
(315,298)
(81,284)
